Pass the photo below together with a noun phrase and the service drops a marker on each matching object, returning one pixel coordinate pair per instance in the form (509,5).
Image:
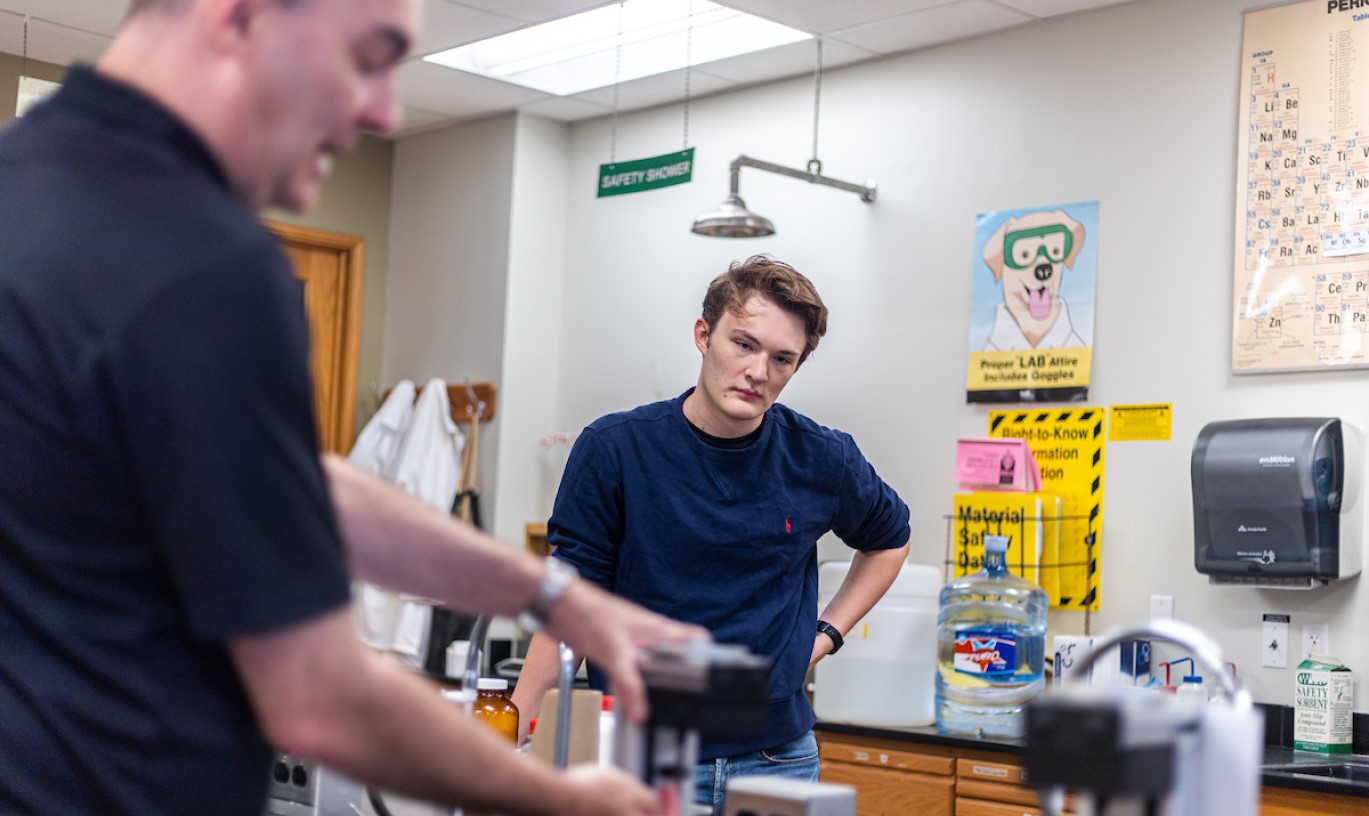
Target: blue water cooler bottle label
(985,653)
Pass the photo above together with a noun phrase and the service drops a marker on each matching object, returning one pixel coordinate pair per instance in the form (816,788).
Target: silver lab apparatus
(695,690)
(1129,752)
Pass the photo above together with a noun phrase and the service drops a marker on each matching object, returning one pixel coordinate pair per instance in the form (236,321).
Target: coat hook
(476,407)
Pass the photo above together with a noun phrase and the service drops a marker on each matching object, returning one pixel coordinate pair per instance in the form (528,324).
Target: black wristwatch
(831,631)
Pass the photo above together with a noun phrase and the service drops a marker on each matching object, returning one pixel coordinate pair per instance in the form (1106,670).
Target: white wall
(449,256)
(1134,106)
(531,377)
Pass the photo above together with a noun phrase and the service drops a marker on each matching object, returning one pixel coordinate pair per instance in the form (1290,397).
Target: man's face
(748,359)
(322,74)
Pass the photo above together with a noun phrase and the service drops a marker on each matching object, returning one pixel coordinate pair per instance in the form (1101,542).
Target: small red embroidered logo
(788,528)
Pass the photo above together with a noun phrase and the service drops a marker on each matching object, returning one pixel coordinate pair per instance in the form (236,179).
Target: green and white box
(1323,705)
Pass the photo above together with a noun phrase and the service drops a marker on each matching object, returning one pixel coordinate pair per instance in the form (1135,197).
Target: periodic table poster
(1301,295)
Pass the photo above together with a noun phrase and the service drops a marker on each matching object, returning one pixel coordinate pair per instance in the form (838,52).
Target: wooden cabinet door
(886,792)
(330,265)
(979,807)
(1289,802)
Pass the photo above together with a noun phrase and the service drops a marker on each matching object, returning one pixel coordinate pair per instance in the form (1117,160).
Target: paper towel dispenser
(1278,502)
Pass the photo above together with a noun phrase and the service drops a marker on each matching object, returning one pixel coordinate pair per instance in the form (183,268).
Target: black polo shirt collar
(87,92)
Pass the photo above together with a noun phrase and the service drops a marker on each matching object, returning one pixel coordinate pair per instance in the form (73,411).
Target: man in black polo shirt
(175,557)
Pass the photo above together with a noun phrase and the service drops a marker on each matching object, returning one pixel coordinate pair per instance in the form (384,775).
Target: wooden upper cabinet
(330,265)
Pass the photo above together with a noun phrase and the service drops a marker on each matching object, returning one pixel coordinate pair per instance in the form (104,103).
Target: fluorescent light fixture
(582,52)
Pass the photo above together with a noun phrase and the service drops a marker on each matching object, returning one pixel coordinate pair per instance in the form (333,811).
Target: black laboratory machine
(1278,502)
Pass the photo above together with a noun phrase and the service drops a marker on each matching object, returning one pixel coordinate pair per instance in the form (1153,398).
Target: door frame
(337,429)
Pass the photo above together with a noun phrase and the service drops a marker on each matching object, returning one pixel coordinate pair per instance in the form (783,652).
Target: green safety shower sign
(646,174)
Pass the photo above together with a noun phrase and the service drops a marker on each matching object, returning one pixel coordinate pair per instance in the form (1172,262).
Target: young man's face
(748,359)
(323,74)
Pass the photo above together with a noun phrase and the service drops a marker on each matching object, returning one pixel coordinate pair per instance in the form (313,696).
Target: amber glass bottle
(494,708)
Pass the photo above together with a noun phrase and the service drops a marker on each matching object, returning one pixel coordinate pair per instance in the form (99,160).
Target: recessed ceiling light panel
(587,51)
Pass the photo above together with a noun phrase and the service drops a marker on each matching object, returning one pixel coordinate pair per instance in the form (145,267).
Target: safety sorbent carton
(1323,705)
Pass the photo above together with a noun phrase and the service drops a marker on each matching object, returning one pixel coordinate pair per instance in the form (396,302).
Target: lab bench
(898,771)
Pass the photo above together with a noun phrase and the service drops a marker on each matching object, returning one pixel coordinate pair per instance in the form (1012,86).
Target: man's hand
(598,791)
(610,632)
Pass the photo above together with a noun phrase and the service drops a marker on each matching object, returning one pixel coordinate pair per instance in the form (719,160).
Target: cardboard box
(1323,705)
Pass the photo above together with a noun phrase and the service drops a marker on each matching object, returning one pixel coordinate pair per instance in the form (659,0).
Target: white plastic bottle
(1192,691)
(991,649)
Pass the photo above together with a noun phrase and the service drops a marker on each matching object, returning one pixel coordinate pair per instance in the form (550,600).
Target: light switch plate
(1161,606)
(1274,642)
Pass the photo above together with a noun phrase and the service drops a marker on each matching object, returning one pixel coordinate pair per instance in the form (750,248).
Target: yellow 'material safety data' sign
(1069,446)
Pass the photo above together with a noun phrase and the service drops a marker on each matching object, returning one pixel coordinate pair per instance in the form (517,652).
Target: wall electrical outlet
(1274,642)
(1316,638)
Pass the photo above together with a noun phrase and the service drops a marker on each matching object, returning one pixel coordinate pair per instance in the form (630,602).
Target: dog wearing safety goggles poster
(1031,322)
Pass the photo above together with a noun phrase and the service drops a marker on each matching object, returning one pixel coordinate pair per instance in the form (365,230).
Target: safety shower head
(734,220)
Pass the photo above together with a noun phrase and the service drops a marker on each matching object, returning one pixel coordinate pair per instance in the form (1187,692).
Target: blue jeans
(797,759)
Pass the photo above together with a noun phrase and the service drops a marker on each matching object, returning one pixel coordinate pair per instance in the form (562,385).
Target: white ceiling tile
(656,90)
(11,32)
(534,11)
(953,21)
(822,16)
(94,16)
(457,93)
(1050,8)
(446,25)
(50,42)
(566,109)
(785,61)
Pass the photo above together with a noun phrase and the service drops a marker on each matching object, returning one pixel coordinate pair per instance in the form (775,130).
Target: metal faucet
(471,679)
(564,678)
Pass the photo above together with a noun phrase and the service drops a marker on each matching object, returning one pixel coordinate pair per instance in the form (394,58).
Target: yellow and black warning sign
(1140,423)
(1069,446)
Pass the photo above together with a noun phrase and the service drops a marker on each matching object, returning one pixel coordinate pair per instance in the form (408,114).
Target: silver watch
(555,581)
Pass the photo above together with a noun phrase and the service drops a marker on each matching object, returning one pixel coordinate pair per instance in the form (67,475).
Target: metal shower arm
(813,175)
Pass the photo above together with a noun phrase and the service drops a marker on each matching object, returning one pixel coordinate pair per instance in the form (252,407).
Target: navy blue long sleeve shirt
(725,538)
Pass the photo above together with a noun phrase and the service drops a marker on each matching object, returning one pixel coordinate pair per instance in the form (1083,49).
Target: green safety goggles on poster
(1021,248)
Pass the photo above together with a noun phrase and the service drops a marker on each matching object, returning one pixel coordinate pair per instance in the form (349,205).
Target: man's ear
(701,335)
(229,23)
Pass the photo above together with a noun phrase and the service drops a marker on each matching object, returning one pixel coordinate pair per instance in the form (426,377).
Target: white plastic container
(885,672)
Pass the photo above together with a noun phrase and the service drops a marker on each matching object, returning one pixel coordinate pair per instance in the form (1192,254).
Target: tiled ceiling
(66,31)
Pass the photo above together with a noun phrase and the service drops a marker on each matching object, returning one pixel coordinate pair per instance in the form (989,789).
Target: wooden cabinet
(895,777)
(535,538)
(1289,802)
(910,778)
(891,778)
(993,786)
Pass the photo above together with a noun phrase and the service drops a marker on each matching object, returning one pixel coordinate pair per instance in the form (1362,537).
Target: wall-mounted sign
(646,174)
(1300,301)
(1140,423)
(32,91)
(1070,446)
(1031,321)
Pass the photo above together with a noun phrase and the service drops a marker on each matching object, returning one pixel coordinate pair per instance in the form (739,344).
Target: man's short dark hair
(771,279)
